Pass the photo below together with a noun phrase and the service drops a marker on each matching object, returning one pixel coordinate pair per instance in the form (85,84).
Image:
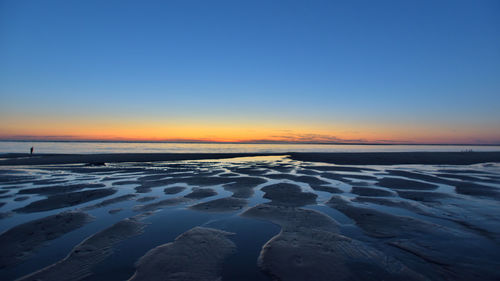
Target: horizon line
(246,142)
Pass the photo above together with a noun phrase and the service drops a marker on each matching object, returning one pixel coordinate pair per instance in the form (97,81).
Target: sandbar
(197,254)
(91,251)
(65,200)
(19,242)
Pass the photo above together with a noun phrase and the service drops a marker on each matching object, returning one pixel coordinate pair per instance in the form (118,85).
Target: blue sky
(322,65)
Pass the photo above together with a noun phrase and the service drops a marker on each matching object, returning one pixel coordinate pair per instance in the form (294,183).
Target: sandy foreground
(381,216)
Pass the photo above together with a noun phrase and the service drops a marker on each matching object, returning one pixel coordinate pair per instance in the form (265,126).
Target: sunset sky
(286,71)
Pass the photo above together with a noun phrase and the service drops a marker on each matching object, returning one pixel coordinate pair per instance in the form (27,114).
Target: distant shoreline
(341,158)
(262,142)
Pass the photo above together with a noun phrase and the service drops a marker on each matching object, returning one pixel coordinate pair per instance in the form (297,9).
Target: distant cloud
(288,136)
(281,136)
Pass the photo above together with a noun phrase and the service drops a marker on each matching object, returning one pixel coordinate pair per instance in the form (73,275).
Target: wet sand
(48,159)
(18,243)
(309,247)
(395,158)
(78,264)
(287,194)
(65,200)
(199,193)
(197,254)
(345,158)
(384,222)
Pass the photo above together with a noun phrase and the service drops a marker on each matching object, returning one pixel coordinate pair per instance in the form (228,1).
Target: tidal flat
(278,217)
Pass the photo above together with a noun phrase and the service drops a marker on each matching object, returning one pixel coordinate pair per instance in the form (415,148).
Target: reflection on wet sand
(415,222)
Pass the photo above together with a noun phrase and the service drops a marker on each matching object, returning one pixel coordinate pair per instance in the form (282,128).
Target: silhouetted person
(31,150)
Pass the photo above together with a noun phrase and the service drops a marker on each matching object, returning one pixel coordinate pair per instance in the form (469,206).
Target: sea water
(173,147)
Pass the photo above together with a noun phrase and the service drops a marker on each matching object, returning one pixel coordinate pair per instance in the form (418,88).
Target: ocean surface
(163,147)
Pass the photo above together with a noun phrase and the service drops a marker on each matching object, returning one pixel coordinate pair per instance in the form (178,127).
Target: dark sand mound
(4,215)
(160,204)
(453,253)
(367,191)
(80,261)
(18,243)
(424,196)
(337,168)
(21,198)
(459,177)
(292,218)
(114,178)
(242,187)
(395,158)
(334,176)
(485,178)
(65,200)
(326,188)
(464,171)
(6,196)
(199,193)
(320,255)
(419,176)
(47,190)
(174,189)
(125,182)
(379,224)
(197,254)
(143,189)
(288,195)
(310,248)
(430,204)
(16,179)
(227,204)
(110,201)
(393,202)
(10,172)
(146,198)
(479,190)
(49,181)
(397,183)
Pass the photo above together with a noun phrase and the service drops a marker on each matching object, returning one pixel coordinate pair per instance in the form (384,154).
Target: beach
(343,158)
(250,216)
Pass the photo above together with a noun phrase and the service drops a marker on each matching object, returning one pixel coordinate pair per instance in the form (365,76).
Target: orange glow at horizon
(147,130)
